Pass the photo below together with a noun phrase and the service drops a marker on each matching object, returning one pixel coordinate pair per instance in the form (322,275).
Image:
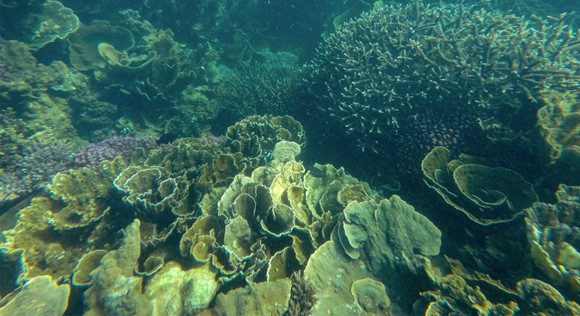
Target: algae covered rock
(39,296)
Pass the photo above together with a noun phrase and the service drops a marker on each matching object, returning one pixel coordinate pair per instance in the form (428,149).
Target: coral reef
(487,195)
(114,289)
(399,75)
(559,121)
(31,168)
(303,296)
(554,235)
(41,295)
(461,291)
(37,23)
(142,170)
(259,88)
(93,154)
(53,231)
(211,221)
(84,45)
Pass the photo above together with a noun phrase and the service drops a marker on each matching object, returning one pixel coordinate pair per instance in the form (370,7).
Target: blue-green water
(289,157)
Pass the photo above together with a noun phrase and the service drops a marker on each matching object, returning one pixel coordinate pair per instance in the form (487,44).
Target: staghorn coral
(381,77)
(259,88)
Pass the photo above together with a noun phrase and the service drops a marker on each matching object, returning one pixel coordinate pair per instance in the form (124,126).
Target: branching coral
(258,89)
(380,76)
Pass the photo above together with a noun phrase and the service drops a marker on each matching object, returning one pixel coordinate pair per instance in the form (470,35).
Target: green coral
(53,231)
(114,289)
(559,121)
(84,44)
(37,23)
(41,295)
(553,233)
(486,195)
(378,73)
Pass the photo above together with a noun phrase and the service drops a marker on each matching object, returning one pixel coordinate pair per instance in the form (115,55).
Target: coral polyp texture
(417,75)
(93,154)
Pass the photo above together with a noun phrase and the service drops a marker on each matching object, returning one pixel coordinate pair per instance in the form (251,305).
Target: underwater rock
(554,236)
(486,195)
(39,296)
